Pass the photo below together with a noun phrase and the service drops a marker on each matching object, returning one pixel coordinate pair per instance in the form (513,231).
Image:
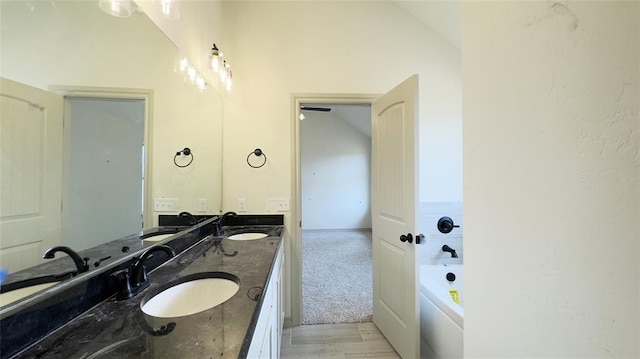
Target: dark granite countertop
(119,329)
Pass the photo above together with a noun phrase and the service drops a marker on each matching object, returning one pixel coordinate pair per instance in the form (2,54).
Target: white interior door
(31,173)
(394,198)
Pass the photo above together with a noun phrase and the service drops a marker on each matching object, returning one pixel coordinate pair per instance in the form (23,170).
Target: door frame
(295,244)
(145,95)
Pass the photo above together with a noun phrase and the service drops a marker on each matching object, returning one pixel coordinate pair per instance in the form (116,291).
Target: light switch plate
(278,204)
(203,205)
(166,204)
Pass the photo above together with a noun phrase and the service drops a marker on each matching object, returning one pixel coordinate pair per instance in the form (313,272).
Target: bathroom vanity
(248,324)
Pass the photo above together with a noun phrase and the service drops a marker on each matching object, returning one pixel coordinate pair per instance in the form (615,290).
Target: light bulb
(229,82)
(200,83)
(119,8)
(192,73)
(170,9)
(223,72)
(184,64)
(215,63)
(215,58)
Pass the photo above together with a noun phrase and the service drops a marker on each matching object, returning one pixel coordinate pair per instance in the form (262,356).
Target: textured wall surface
(551,174)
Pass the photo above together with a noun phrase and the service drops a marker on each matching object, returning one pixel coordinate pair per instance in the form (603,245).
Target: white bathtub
(441,319)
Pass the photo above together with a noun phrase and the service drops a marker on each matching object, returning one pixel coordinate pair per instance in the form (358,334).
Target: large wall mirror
(125,113)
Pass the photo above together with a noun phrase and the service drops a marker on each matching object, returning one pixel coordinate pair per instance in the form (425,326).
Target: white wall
(551,174)
(336,173)
(285,47)
(74,43)
(281,48)
(194,32)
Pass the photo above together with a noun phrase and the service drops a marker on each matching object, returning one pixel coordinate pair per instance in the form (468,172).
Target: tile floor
(347,340)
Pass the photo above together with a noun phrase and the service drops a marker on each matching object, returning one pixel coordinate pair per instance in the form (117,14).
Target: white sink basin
(14,295)
(158,237)
(247,236)
(190,297)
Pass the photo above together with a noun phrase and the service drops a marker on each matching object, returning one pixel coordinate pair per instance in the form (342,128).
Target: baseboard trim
(288,322)
(338,230)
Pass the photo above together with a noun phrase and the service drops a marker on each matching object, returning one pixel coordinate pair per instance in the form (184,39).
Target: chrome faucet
(139,272)
(446,248)
(220,222)
(82,264)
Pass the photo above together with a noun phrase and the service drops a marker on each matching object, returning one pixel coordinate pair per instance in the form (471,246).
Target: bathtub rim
(442,298)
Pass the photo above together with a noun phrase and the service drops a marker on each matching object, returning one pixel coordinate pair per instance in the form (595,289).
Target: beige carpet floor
(336,277)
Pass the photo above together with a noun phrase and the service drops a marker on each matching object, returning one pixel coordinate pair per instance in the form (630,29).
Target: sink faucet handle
(124,284)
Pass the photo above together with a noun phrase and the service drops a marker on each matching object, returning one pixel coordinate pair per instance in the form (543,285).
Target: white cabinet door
(267,335)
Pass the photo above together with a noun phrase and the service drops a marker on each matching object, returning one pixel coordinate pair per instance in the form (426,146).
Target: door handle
(406,238)
(409,238)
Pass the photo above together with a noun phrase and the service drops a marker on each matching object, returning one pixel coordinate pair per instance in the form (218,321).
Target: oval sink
(157,237)
(193,294)
(160,234)
(14,295)
(247,236)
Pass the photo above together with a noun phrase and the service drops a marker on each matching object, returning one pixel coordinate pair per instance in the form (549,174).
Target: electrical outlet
(278,204)
(242,205)
(203,205)
(166,204)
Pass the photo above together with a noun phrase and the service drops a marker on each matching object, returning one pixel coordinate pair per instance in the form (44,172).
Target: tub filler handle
(445,225)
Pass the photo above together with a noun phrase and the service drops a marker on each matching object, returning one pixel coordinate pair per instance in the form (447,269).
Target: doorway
(335,157)
(110,130)
(104,169)
(312,100)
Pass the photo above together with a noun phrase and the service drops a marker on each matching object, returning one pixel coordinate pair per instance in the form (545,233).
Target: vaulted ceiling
(442,16)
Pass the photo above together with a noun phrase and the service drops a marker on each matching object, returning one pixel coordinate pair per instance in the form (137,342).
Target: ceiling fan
(311,108)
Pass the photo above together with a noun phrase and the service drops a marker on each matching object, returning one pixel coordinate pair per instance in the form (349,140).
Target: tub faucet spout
(446,248)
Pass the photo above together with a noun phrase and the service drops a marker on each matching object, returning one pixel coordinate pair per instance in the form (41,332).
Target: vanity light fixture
(118,8)
(221,67)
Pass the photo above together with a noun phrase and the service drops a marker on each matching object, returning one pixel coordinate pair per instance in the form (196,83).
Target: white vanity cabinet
(267,336)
